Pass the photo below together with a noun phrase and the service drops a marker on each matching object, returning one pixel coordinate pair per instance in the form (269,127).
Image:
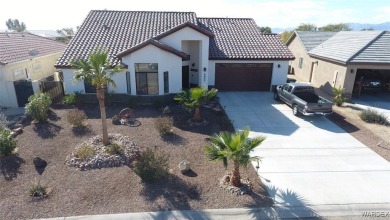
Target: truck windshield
(304,89)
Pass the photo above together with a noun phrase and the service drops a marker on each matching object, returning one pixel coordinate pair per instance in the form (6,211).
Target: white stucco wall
(279,75)
(188,34)
(121,84)
(7,95)
(166,62)
(69,85)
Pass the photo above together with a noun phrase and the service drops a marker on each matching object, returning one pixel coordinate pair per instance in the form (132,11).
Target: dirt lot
(377,137)
(116,190)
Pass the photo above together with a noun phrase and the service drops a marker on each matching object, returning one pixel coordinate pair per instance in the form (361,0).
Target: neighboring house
(51,34)
(24,56)
(164,52)
(330,59)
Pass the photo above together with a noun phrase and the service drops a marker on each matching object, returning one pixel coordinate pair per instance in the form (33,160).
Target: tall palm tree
(97,71)
(193,98)
(235,146)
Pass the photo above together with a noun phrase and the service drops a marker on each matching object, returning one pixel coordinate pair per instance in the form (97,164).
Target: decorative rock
(245,187)
(167,110)
(18,130)
(184,166)
(197,124)
(39,162)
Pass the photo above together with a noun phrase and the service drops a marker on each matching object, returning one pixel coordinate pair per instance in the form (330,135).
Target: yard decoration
(192,99)
(235,146)
(97,70)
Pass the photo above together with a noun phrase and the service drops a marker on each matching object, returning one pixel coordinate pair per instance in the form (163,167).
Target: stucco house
(164,52)
(25,56)
(333,59)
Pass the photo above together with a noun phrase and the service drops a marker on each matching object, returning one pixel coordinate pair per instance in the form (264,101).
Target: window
(128,82)
(146,75)
(300,63)
(166,82)
(285,87)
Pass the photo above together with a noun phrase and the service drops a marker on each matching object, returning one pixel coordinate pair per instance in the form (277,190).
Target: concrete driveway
(311,167)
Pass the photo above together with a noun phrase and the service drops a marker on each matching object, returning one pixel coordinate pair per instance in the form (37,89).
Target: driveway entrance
(310,166)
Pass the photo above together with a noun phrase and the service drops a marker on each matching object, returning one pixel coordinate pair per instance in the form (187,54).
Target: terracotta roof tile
(15,46)
(240,38)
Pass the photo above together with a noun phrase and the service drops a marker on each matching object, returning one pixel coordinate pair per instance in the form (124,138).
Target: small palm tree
(193,98)
(97,70)
(338,98)
(233,146)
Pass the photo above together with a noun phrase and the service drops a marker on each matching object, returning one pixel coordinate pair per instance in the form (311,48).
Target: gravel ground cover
(117,189)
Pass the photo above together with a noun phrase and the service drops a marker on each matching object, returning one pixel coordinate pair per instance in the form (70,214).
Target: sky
(55,14)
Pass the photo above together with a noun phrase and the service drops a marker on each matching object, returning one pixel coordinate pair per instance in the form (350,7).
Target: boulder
(184,166)
(166,110)
(39,162)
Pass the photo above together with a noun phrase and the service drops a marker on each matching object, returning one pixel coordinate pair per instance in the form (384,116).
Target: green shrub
(38,106)
(76,117)
(85,152)
(73,99)
(114,148)
(372,116)
(37,190)
(3,122)
(151,166)
(163,125)
(7,143)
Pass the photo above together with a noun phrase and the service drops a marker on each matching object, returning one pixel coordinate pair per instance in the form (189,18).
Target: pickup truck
(302,99)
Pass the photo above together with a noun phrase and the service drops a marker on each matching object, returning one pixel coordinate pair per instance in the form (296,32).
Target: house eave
(256,59)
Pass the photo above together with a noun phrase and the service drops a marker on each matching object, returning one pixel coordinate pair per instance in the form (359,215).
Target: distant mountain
(355,27)
(378,27)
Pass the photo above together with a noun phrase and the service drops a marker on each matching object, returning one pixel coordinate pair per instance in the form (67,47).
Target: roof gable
(344,45)
(155,43)
(184,25)
(240,38)
(15,47)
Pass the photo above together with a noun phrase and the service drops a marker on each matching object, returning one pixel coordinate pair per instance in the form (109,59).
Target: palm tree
(193,98)
(233,146)
(97,71)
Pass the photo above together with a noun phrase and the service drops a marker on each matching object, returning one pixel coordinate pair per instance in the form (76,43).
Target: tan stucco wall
(45,63)
(298,50)
(327,75)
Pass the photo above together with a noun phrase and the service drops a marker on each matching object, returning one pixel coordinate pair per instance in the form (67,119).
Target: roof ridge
(224,18)
(104,10)
(367,45)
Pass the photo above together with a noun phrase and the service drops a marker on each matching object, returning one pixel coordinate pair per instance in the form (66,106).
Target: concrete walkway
(309,163)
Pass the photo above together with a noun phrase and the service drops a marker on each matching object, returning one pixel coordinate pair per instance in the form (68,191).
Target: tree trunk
(197,116)
(100,97)
(235,179)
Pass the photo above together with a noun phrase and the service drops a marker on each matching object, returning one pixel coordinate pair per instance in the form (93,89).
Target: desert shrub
(151,166)
(85,152)
(76,117)
(37,190)
(38,106)
(114,148)
(7,143)
(3,122)
(372,116)
(73,99)
(163,125)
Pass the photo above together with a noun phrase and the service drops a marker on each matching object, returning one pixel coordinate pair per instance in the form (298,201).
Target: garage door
(243,76)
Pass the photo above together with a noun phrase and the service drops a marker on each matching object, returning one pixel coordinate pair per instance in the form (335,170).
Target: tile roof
(15,46)
(119,31)
(377,52)
(344,45)
(47,33)
(311,39)
(240,38)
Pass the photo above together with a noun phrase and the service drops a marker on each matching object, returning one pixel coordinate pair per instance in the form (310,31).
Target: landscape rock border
(245,188)
(102,158)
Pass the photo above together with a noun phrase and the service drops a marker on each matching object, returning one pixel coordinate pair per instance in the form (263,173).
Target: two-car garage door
(243,76)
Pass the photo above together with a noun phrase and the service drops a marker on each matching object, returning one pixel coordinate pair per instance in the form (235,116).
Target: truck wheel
(295,110)
(276,96)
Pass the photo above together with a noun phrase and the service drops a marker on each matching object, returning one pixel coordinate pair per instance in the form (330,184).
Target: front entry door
(185,71)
